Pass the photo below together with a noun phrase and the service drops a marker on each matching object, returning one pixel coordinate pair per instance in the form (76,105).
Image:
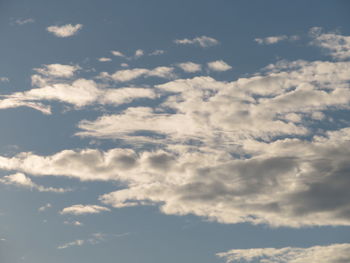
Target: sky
(175,131)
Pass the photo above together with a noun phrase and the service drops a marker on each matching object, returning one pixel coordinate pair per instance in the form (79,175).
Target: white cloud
(117,53)
(203,41)
(95,239)
(219,65)
(58,70)
(73,223)
(190,67)
(84,209)
(157,52)
(4,79)
(139,53)
(338,46)
(240,151)
(131,74)
(103,59)
(78,242)
(21,180)
(23,21)
(44,207)
(271,40)
(65,30)
(336,253)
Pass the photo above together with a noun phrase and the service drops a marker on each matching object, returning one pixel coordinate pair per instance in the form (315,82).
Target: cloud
(55,84)
(335,253)
(58,70)
(84,209)
(117,53)
(78,242)
(23,21)
(104,59)
(219,65)
(338,46)
(138,53)
(67,30)
(44,207)
(21,180)
(271,40)
(4,79)
(248,150)
(190,67)
(203,41)
(131,74)
(157,52)
(73,223)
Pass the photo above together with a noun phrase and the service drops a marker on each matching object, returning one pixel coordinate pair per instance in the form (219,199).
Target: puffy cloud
(117,53)
(84,209)
(79,93)
(131,74)
(219,65)
(203,41)
(103,59)
(337,45)
(21,180)
(271,40)
(335,253)
(65,30)
(190,67)
(240,151)
(58,70)
(139,53)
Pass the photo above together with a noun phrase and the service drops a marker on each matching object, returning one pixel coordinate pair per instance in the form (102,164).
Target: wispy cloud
(4,79)
(44,207)
(67,30)
(203,41)
(23,21)
(335,253)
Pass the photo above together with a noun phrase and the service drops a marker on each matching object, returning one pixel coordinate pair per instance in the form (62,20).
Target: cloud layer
(336,253)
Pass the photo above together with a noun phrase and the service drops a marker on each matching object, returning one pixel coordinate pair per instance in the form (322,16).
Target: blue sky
(174,131)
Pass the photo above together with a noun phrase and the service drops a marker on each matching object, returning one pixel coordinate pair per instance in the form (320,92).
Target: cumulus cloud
(84,209)
(55,83)
(21,180)
(338,46)
(190,67)
(240,151)
(139,53)
(219,65)
(58,70)
(335,253)
(117,53)
(103,59)
(203,41)
(131,74)
(65,30)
